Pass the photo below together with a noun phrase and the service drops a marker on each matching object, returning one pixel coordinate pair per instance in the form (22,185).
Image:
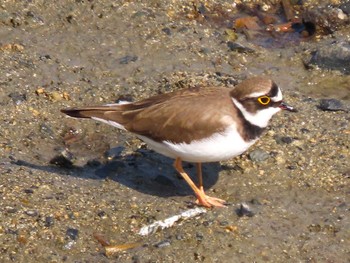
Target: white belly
(219,147)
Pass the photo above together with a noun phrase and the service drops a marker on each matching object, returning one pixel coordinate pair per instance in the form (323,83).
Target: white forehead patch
(278,97)
(256,94)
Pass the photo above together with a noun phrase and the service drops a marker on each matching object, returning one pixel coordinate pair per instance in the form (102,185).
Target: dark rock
(292,167)
(31,213)
(199,236)
(11,210)
(28,191)
(163,243)
(331,105)
(304,130)
(345,6)
(49,221)
(233,46)
(258,155)
(72,233)
(44,57)
(17,97)
(102,214)
(327,19)
(334,56)
(127,59)
(167,31)
(202,9)
(244,210)
(283,139)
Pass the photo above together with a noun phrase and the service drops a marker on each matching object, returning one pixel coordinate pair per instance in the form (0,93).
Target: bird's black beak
(285,106)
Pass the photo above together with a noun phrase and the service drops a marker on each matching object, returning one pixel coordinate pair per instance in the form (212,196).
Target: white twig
(170,221)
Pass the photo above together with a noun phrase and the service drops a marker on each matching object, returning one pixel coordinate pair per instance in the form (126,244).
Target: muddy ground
(70,187)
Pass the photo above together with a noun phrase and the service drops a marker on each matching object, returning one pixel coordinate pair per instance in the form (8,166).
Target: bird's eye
(264,100)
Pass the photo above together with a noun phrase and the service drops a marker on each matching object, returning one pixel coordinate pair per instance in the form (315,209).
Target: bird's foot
(208,201)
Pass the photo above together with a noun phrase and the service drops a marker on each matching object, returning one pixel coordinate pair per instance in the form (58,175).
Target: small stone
(127,59)
(49,221)
(304,130)
(244,210)
(72,233)
(331,105)
(11,210)
(18,98)
(233,46)
(102,214)
(292,167)
(199,236)
(283,139)
(258,155)
(31,212)
(167,31)
(28,191)
(164,243)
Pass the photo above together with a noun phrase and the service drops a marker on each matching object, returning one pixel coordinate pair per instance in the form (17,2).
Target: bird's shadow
(144,170)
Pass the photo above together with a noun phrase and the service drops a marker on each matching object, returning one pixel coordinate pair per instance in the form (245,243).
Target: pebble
(17,97)
(49,221)
(127,59)
(163,243)
(31,212)
(199,236)
(331,105)
(239,48)
(258,155)
(283,139)
(72,233)
(28,191)
(167,31)
(244,210)
(11,210)
(102,214)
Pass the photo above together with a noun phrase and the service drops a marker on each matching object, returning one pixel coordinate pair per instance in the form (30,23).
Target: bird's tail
(87,112)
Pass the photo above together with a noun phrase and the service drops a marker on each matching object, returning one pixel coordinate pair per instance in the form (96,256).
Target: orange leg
(199,176)
(202,198)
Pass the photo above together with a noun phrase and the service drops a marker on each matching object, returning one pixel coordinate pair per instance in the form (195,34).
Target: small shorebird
(197,124)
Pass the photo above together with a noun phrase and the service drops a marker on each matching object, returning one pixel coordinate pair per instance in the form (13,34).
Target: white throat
(260,118)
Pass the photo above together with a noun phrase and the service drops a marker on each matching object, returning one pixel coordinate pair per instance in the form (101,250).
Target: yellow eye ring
(264,100)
